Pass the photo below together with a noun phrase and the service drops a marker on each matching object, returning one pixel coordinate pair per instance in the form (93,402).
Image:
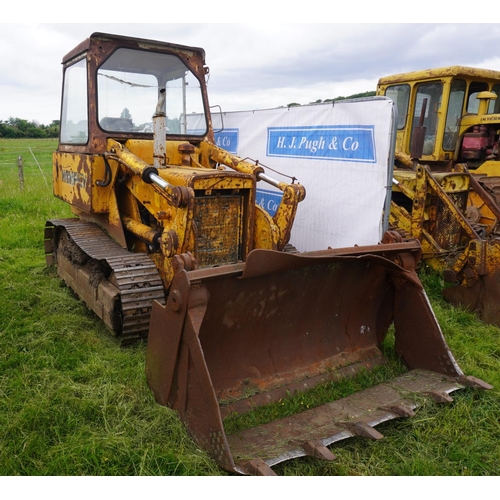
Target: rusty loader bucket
(236,337)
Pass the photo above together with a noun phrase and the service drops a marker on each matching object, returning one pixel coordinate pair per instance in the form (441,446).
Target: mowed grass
(72,402)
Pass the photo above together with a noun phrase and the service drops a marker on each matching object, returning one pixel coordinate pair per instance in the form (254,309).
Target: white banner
(341,152)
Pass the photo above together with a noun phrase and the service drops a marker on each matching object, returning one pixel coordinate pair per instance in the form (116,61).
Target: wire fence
(8,152)
(27,158)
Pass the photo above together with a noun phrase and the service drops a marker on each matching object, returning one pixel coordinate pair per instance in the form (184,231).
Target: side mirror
(221,119)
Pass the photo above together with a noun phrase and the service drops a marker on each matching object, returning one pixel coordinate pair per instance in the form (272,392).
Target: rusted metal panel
(478,288)
(76,180)
(219,223)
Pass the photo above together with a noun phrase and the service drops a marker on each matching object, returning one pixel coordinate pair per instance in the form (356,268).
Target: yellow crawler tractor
(447,178)
(167,243)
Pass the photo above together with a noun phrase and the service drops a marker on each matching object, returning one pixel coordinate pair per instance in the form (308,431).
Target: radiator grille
(219,223)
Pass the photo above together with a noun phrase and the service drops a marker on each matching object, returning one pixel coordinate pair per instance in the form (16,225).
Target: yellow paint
(75,178)
(445,76)
(436,184)
(209,177)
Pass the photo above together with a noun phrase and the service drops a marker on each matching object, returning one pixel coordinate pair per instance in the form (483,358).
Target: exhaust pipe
(160,131)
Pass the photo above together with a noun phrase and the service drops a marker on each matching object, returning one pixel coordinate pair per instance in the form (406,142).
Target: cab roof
(128,41)
(449,71)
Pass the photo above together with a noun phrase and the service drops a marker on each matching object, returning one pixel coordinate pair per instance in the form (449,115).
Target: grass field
(74,403)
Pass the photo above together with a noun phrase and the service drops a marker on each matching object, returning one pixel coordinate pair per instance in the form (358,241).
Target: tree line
(17,128)
(340,98)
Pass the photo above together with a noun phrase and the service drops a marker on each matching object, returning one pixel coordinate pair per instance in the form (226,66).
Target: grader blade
(236,337)
(480,295)
(477,286)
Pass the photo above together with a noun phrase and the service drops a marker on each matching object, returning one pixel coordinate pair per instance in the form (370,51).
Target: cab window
(74,120)
(400,95)
(472,100)
(427,103)
(128,87)
(454,114)
(494,106)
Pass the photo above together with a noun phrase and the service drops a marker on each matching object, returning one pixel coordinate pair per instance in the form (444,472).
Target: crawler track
(118,285)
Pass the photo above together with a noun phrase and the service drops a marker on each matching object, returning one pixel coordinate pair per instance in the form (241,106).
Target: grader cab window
(427,103)
(400,94)
(454,114)
(473,101)
(128,86)
(494,106)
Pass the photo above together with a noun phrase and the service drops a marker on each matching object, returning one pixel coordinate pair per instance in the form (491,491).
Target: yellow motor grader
(446,188)
(168,243)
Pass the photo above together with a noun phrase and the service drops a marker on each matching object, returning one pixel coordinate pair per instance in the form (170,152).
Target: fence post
(20,171)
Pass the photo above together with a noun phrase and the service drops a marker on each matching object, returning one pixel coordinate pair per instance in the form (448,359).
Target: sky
(256,60)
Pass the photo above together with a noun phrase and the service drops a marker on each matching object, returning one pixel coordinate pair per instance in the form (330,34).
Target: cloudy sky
(253,65)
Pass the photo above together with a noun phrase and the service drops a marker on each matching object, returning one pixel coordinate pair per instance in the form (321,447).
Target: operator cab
(443,105)
(108,91)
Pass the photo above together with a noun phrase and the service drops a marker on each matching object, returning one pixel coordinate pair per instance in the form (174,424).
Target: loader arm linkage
(282,221)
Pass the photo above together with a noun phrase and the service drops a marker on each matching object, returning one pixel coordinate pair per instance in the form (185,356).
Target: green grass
(319,395)
(74,403)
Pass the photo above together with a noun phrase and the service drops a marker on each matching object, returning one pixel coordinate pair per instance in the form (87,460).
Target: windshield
(128,86)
